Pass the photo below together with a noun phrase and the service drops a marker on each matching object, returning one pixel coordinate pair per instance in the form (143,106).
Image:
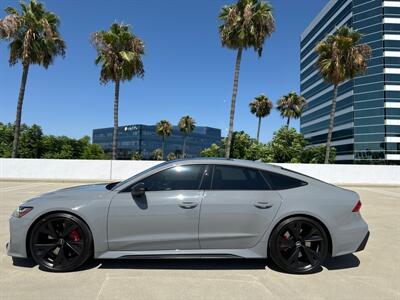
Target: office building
(367,120)
(144,140)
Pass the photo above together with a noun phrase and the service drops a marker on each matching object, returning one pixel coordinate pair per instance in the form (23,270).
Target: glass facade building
(144,139)
(367,119)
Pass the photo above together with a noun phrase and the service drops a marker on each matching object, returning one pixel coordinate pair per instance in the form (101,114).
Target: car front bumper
(16,247)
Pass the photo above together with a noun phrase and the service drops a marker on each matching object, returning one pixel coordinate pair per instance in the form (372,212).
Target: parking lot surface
(371,274)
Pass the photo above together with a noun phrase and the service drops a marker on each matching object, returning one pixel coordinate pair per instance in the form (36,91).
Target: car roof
(225,161)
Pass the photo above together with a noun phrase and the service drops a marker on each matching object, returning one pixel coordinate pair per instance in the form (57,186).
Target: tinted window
(237,178)
(282,182)
(176,178)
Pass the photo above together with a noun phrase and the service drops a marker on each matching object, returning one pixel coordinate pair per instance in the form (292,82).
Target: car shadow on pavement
(348,261)
(335,263)
(183,264)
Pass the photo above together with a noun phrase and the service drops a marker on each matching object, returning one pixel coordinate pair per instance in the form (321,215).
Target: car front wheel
(60,242)
(299,245)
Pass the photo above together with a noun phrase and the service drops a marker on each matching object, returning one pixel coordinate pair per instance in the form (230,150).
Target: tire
(60,242)
(299,245)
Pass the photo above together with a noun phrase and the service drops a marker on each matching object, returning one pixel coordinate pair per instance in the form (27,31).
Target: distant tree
(259,151)
(341,57)
(171,156)
(34,39)
(241,141)
(30,145)
(260,107)
(316,155)
(93,151)
(213,151)
(157,154)
(245,24)
(119,52)
(6,139)
(34,144)
(291,106)
(287,145)
(186,125)
(163,129)
(137,156)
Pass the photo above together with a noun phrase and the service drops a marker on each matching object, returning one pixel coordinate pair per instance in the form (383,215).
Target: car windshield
(138,174)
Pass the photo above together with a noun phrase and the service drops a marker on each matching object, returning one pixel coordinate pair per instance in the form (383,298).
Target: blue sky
(187,70)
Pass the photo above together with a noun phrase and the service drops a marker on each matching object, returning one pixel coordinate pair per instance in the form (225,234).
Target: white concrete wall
(350,174)
(59,169)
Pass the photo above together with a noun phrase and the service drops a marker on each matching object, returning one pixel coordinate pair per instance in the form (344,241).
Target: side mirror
(138,190)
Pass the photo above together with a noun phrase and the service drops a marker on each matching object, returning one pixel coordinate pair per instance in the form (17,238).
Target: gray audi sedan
(194,208)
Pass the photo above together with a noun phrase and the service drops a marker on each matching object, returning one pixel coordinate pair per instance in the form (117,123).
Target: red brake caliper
(74,235)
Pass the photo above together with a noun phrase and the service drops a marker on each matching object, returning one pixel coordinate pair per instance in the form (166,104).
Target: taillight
(357,207)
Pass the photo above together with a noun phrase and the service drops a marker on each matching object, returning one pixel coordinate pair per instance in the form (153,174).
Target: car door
(237,209)
(165,217)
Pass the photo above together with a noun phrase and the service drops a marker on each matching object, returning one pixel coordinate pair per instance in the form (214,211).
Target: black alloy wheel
(299,245)
(60,242)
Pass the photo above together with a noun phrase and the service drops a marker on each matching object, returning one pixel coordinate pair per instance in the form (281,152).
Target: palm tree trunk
(115,132)
(162,147)
(288,122)
(17,125)
(258,130)
(184,146)
(233,102)
(331,122)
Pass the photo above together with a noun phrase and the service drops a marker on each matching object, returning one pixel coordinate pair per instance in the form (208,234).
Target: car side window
(237,178)
(175,178)
(282,182)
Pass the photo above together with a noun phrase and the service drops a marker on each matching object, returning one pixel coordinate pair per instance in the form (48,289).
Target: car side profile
(193,208)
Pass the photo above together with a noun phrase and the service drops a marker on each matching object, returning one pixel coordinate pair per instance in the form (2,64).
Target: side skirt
(182,256)
(259,251)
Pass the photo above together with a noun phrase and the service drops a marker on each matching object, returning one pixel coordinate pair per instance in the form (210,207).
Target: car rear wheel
(299,245)
(60,242)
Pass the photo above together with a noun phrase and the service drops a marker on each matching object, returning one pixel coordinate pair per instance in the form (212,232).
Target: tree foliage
(171,156)
(186,125)
(34,144)
(246,24)
(119,52)
(33,34)
(157,154)
(291,106)
(341,56)
(260,107)
(137,156)
(286,146)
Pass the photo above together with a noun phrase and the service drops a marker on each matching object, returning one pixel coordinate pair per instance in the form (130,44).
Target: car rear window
(237,178)
(282,182)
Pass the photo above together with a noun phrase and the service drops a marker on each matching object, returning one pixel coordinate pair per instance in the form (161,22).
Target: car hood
(82,192)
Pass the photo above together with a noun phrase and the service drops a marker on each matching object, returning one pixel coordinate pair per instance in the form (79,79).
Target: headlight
(22,211)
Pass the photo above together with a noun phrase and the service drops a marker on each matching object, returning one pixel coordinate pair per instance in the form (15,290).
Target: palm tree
(186,125)
(245,24)
(34,39)
(341,58)
(164,129)
(291,106)
(261,107)
(119,52)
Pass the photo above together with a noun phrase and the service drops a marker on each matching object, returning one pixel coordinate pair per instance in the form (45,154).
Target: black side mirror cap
(138,190)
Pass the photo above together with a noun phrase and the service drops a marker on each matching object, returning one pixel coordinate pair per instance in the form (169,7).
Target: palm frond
(246,24)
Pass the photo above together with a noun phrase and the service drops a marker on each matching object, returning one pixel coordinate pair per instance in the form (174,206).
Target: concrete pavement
(371,274)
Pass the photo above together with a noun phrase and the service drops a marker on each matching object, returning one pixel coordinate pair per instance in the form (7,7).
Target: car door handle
(188,204)
(263,205)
